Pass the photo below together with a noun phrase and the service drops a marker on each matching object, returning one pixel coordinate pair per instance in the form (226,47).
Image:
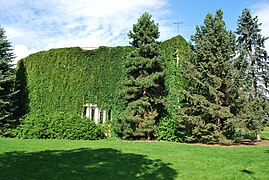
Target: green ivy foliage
(174,81)
(58,126)
(63,80)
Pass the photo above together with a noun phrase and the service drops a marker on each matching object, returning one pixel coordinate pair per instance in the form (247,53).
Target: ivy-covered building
(67,79)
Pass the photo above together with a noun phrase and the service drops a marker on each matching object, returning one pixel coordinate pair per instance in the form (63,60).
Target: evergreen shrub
(7,86)
(143,89)
(58,126)
(167,130)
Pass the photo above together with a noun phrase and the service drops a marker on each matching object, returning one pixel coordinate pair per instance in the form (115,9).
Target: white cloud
(22,51)
(40,25)
(261,10)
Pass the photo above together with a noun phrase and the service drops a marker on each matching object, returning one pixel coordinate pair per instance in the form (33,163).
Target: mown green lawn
(115,159)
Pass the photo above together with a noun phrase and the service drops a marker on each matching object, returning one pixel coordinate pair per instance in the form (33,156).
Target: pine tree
(7,84)
(143,89)
(207,113)
(254,66)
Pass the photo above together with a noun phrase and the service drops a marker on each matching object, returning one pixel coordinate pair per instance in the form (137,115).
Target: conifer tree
(7,84)
(143,89)
(253,64)
(207,113)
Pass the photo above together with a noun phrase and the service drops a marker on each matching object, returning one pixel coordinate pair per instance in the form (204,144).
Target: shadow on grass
(103,163)
(250,173)
(247,171)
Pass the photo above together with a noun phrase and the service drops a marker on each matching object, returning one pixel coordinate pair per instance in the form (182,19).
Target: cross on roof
(178,23)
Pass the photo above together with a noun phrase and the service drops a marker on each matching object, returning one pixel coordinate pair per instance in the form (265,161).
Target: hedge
(58,126)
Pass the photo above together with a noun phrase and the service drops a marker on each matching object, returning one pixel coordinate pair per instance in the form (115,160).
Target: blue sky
(193,12)
(35,25)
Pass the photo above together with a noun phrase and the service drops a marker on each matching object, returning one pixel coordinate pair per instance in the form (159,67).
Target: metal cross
(177,23)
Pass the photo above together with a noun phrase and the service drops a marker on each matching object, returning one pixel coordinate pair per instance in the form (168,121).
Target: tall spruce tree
(7,84)
(207,113)
(144,87)
(253,64)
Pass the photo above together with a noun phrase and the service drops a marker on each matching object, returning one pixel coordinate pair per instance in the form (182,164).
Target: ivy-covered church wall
(175,50)
(64,80)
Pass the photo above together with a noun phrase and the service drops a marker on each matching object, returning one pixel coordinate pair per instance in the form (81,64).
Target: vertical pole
(90,112)
(96,115)
(104,116)
(87,111)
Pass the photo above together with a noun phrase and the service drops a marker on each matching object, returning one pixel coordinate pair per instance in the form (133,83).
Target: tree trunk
(258,137)
(218,125)
(148,135)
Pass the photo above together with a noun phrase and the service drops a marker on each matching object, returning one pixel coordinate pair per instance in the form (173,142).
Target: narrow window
(92,117)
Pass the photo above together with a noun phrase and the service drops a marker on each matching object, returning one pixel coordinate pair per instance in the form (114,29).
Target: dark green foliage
(208,102)
(7,85)
(253,60)
(255,114)
(253,64)
(144,86)
(58,126)
(23,99)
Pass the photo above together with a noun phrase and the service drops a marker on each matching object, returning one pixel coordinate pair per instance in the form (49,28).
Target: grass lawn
(115,159)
